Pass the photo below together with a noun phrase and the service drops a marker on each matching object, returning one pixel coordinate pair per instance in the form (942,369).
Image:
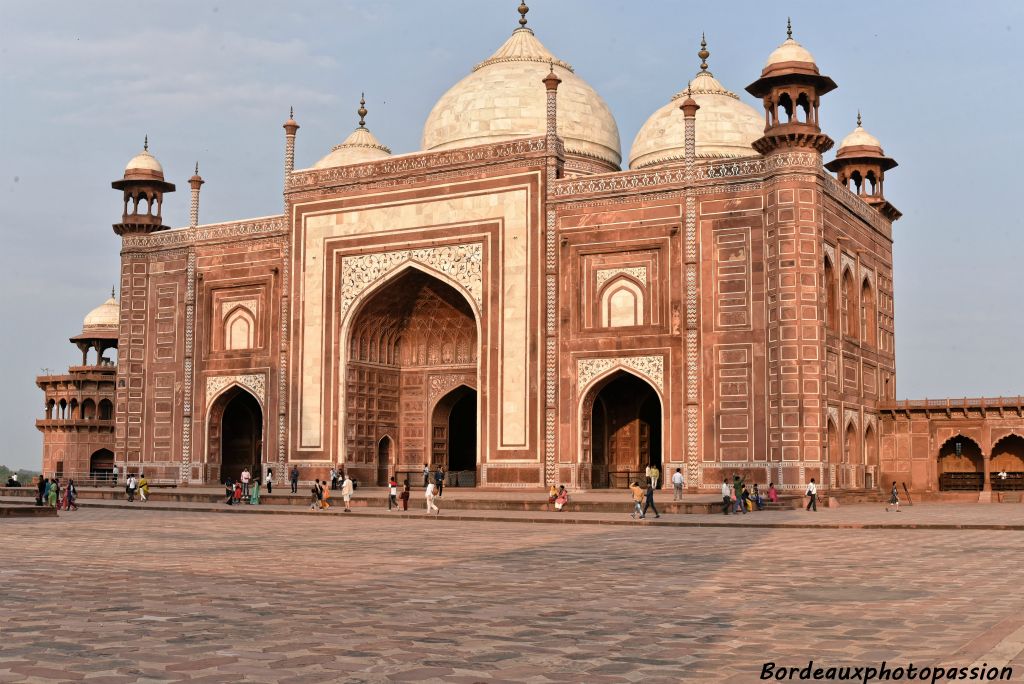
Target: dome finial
(858,118)
(145,143)
(291,112)
(703,54)
(362,110)
(523,9)
(197,168)
(112,292)
(789,29)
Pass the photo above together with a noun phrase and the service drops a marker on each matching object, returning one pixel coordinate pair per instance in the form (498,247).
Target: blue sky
(82,83)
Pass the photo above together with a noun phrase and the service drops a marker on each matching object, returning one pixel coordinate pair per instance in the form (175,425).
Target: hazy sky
(81,83)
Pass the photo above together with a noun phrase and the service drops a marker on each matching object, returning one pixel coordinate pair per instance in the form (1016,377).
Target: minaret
(791,88)
(291,126)
(144,186)
(555,162)
(196,181)
(861,163)
(793,344)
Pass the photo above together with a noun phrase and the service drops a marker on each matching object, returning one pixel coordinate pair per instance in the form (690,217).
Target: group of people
(737,497)
(435,477)
(320,493)
(50,493)
(558,496)
(136,486)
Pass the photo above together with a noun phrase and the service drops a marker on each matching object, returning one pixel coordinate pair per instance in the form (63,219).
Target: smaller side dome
(104,317)
(859,138)
(789,51)
(726,127)
(360,146)
(144,166)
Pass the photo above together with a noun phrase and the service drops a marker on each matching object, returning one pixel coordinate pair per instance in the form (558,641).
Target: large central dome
(503,99)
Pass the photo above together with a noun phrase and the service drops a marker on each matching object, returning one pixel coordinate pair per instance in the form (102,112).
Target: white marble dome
(789,51)
(725,127)
(360,146)
(859,138)
(106,315)
(503,98)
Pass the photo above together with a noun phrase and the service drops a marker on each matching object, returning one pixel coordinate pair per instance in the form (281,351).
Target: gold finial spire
(197,168)
(703,54)
(858,118)
(145,143)
(523,9)
(789,29)
(362,110)
(291,112)
(112,292)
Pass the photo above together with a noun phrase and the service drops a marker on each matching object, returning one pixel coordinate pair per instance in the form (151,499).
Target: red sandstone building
(509,304)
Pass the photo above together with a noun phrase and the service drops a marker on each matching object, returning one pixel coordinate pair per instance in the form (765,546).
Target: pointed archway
(453,428)
(101,464)
(235,434)
(621,429)
(410,342)
(1007,466)
(834,453)
(961,466)
(851,447)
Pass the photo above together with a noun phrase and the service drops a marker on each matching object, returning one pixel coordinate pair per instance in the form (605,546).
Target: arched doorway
(453,429)
(385,469)
(851,448)
(961,467)
(1007,466)
(410,343)
(834,453)
(622,430)
(236,434)
(101,464)
(870,457)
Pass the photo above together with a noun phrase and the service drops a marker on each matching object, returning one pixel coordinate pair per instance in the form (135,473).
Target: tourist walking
(334,479)
(114,473)
(70,496)
(41,490)
(392,493)
(254,492)
(737,485)
(649,499)
(130,486)
(638,497)
(143,488)
(677,485)
(429,495)
(439,481)
(726,498)
(812,496)
(346,492)
(246,476)
(325,496)
(314,498)
(270,481)
(426,474)
(655,474)
(405,494)
(295,479)
(894,498)
(53,493)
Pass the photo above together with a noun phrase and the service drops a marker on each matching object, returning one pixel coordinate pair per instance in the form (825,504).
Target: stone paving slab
(115,595)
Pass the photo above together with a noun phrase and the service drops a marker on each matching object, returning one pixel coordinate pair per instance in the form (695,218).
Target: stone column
(691,294)
(553,149)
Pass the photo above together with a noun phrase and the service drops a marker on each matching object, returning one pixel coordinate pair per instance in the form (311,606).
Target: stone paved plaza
(113,595)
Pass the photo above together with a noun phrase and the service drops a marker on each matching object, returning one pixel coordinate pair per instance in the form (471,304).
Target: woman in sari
(52,493)
(143,488)
(254,492)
